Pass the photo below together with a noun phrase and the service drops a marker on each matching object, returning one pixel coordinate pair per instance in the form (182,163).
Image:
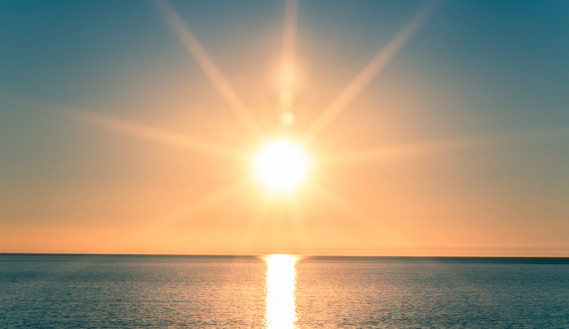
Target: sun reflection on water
(281,273)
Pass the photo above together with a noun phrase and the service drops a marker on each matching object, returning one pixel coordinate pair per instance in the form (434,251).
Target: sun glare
(281,277)
(281,165)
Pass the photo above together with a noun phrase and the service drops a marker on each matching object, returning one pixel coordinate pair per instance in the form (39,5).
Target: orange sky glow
(401,160)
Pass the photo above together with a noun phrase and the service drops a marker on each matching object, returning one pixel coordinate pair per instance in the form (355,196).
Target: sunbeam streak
(289,31)
(254,228)
(193,208)
(208,201)
(207,65)
(402,151)
(287,70)
(345,206)
(436,147)
(298,221)
(382,58)
(132,128)
(158,135)
(340,203)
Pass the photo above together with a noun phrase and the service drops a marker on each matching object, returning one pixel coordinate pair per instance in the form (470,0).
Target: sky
(435,128)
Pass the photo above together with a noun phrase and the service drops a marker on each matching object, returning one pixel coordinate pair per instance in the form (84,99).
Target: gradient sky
(471,118)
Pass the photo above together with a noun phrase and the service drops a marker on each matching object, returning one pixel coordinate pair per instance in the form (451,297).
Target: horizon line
(293,254)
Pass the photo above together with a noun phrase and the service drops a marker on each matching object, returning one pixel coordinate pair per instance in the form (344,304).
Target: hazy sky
(468,123)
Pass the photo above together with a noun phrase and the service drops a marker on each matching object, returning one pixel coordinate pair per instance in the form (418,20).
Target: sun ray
(207,65)
(287,70)
(193,208)
(208,201)
(131,128)
(361,80)
(159,135)
(298,221)
(400,151)
(250,237)
(434,147)
(382,232)
(342,204)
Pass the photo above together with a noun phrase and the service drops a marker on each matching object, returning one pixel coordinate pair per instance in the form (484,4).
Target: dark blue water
(97,291)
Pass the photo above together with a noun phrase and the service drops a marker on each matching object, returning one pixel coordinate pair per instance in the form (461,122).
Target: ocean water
(102,291)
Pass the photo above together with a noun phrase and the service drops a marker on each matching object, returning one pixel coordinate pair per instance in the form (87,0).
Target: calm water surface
(98,291)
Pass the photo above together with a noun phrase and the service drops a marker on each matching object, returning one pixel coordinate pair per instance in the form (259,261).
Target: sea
(281,291)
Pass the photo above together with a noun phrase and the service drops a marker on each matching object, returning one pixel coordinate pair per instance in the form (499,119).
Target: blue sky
(494,70)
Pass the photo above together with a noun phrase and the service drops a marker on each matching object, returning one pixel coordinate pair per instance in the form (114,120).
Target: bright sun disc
(281,165)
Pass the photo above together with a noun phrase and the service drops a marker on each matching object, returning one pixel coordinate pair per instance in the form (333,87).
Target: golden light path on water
(281,275)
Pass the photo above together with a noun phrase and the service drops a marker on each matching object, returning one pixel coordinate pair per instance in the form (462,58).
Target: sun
(281,165)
